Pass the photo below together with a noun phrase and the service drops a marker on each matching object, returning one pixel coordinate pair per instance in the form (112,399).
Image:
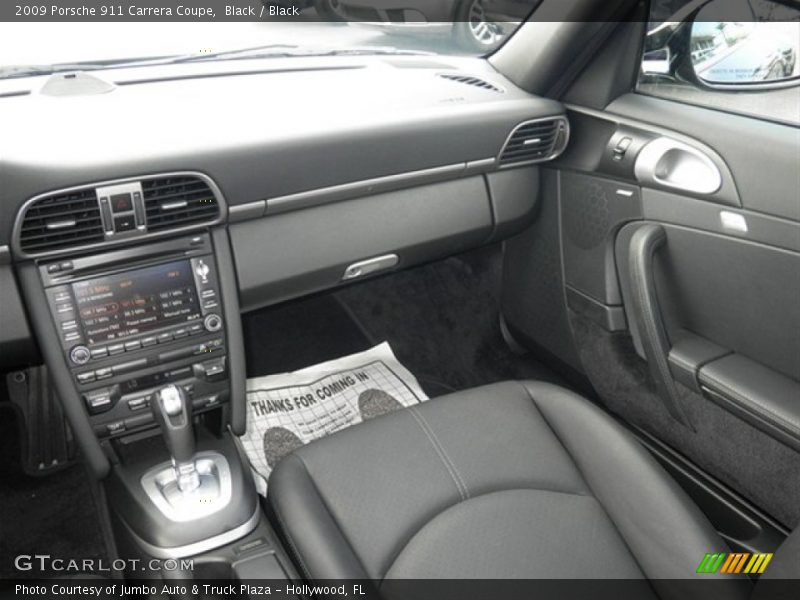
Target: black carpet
(54,515)
(441,319)
(299,334)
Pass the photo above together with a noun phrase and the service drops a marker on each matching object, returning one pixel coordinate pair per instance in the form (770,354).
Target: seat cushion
(511,480)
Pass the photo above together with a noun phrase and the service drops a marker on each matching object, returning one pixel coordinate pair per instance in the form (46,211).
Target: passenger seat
(511,480)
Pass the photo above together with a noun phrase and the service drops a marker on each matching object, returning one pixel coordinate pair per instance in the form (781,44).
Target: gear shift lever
(173,413)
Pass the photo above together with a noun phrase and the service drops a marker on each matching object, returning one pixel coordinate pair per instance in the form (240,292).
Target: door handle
(645,242)
(673,164)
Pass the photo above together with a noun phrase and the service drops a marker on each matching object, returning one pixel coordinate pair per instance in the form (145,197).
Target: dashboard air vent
(535,141)
(178,201)
(473,81)
(61,221)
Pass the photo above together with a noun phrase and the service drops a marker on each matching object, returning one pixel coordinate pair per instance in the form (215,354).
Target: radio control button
(98,401)
(103,373)
(180,333)
(100,352)
(115,427)
(210,304)
(80,355)
(163,338)
(65,266)
(86,377)
(53,268)
(201,269)
(114,349)
(180,373)
(175,354)
(62,297)
(149,341)
(69,326)
(72,337)
(64,308)
(129,366)
(213,322)
(138,403)
(196,329)
(134,345)
(206,294)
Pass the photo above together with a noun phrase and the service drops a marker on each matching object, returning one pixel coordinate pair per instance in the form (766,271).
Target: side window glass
(736,55)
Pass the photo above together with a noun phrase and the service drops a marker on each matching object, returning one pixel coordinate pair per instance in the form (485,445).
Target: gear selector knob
(173,413)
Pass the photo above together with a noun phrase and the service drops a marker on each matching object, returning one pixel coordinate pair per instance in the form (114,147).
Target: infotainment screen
(126,304)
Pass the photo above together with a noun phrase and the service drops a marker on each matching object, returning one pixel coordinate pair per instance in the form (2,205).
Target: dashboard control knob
(213,322)
(80,355)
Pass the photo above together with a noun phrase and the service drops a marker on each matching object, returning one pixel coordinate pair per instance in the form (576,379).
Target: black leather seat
(511,480)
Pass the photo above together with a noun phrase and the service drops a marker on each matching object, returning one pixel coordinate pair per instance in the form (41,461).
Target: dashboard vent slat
(61,221)
(473,81)
(178,201)
(535,141)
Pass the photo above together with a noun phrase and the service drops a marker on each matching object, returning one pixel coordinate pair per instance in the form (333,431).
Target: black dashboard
(142,216)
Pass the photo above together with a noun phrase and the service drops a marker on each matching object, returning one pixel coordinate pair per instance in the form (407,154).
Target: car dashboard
(143,210)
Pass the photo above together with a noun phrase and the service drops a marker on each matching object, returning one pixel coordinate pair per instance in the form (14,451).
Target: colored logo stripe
(711,563)
(734,562)
(758,563)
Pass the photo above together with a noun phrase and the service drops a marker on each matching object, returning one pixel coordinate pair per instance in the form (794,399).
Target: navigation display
(119,306)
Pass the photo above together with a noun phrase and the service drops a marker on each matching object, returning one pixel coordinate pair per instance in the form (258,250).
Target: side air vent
(61,221)
(473,81)
(535,141)
(178,201)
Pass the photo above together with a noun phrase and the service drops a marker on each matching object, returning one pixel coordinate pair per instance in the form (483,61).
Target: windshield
(325,27)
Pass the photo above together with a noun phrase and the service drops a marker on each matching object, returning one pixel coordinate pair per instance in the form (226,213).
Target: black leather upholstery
(511,480)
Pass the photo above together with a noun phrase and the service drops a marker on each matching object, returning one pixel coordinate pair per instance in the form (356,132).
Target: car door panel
(726,281)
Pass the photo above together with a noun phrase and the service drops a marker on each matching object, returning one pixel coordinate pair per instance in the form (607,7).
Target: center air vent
(473,81)
(61,221)
(535,141)
(178,201)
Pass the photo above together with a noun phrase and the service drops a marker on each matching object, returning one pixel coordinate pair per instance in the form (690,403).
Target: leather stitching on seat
(463,492)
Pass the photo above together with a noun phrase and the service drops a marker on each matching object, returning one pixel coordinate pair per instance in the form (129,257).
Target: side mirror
(743,53)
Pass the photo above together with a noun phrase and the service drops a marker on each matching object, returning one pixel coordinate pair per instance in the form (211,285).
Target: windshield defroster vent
(61,221)
(178,201)
(535,141)
(473,81)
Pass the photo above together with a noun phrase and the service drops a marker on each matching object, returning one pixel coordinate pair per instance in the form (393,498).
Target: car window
(741,56)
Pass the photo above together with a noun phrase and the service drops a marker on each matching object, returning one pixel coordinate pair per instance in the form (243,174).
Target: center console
(141,335)
(131,321)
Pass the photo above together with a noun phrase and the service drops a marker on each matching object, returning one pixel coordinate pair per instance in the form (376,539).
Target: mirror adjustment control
(80,355)
(213,322)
